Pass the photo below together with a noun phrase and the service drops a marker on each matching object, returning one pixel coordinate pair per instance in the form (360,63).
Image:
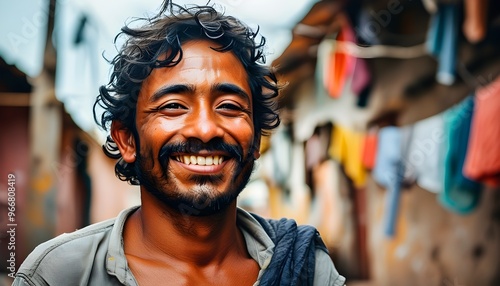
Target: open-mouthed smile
(199,160)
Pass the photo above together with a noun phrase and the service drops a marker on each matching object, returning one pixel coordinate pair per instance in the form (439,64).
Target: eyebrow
(175,88)
(188,88)
(230,88)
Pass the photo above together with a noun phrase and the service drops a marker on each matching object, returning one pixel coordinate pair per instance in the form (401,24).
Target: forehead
(201,52)
(200,65)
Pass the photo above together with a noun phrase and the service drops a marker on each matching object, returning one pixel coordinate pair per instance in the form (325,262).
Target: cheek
(244,134)
(158,126)
(151,138)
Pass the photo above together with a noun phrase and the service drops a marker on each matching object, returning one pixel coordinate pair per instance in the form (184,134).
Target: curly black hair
(163,36)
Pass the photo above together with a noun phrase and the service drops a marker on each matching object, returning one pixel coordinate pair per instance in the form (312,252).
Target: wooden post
(45,132)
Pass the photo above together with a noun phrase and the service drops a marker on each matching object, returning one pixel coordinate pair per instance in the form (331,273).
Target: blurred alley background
(389,143)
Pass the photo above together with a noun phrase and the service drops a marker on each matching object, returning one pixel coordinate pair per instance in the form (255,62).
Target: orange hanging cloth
(475,20)
(482,162)
(340,64)
(370,149)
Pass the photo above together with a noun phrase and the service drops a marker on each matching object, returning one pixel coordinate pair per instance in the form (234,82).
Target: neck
(173,234)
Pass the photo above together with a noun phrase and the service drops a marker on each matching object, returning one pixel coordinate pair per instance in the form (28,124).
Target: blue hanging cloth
(442,41)
(460,194)
(389,172)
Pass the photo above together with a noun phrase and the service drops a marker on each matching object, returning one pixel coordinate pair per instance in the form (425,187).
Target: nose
(204,125)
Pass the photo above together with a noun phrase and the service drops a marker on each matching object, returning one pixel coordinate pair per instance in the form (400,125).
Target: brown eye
(173,106)
(172,109)
(229,106)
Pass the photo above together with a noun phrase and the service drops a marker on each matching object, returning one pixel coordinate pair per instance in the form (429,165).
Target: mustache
(194,145)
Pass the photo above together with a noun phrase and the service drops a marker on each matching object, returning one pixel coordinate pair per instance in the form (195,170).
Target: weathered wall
(432,245)
(109,195)
(14,155)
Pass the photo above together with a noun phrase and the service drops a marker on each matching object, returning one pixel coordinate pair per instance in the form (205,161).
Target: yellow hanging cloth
(346,147)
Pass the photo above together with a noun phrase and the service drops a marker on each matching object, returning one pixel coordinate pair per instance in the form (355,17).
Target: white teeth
(200,160)
(209,160)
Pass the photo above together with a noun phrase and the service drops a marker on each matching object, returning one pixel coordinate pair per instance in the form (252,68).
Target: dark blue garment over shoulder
(293,262)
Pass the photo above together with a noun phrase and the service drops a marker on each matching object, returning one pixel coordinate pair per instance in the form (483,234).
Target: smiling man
(188,100)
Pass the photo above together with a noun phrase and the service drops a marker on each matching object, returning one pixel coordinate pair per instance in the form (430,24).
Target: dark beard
(203,201)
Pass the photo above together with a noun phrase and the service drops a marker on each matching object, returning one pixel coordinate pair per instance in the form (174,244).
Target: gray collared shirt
(94,255)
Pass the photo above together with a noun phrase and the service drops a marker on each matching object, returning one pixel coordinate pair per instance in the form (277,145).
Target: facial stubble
(204,198)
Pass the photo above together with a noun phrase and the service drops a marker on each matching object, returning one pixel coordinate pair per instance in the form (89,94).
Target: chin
(200,201)
(206,194)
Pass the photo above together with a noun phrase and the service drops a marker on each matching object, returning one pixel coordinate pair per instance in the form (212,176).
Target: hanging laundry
(340,64)
(316,147)
(364,95)
(361,81)
(482,162)
(476,15)
(325,48)
(389,172)
(281,154)
(460,194)
(361,76)
(442,41)
(430,6)
(370,148)
(346,146)
(407,169)
(313,152)
(329,209)
(425,153)
(366,32)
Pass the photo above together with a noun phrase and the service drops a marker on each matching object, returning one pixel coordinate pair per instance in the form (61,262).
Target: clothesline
(379,51)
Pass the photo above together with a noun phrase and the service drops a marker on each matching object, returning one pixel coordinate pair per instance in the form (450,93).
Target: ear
(256,146)
(124,139)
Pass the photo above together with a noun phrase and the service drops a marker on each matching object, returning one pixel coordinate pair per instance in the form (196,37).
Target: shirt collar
(116,262)
(259,245)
